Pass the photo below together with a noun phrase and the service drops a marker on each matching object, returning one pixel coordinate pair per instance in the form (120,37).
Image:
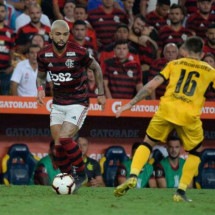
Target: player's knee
(147,145)
(196,151)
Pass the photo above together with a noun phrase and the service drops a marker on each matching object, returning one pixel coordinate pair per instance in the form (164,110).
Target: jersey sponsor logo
(70,54)
(69,63)
(49,54)
(61,77)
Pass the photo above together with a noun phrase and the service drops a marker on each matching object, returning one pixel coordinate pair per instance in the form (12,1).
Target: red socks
(74,154)
(61,160)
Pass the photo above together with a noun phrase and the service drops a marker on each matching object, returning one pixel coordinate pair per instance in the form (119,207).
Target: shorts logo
(73,117)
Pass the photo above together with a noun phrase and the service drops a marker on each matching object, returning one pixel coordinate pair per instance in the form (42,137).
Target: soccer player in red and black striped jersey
(67,63)
(6,50)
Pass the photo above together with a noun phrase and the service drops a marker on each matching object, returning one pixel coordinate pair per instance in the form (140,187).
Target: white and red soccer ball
(63,183)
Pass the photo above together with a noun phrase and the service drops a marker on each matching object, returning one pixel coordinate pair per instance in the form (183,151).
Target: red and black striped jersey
(89,45)
(108,53)
(198,24)
(122,77)
(24,33)
(191,6)
(105,24)
(147,54)
(155,69)
(155,20)
(6,45)
(168,35)
(67,72)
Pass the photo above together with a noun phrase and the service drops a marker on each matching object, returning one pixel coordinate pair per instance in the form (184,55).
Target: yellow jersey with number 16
(184,97)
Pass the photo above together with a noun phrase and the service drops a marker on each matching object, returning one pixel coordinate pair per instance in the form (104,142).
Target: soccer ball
(63,183)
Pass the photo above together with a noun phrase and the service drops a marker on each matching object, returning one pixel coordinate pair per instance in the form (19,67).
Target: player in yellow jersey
(179,109)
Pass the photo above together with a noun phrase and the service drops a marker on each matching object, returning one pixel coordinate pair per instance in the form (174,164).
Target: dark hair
(173,137)
(120,42)
(141,17)
(211,26)
(204,0)
(194,44)
(3,5)
(34,35)
(122,25)
(163,2)
(79,22)
(32,46)
(81,6)
(69,1)
(177,6)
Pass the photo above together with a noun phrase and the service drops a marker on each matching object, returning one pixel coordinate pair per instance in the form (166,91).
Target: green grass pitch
(41,200)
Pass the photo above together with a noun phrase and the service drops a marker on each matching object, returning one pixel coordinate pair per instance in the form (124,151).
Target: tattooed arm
(94,66)
(145,91)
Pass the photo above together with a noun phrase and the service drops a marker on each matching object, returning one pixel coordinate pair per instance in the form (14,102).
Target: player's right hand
(101,101)
(40,97)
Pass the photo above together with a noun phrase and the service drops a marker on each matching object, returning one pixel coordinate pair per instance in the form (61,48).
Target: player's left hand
(122,109)
(101,101)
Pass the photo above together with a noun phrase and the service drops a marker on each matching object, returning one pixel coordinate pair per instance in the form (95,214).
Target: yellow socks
(189,170)
(140,158)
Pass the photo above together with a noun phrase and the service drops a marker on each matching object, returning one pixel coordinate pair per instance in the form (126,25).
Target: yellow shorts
(190,135)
